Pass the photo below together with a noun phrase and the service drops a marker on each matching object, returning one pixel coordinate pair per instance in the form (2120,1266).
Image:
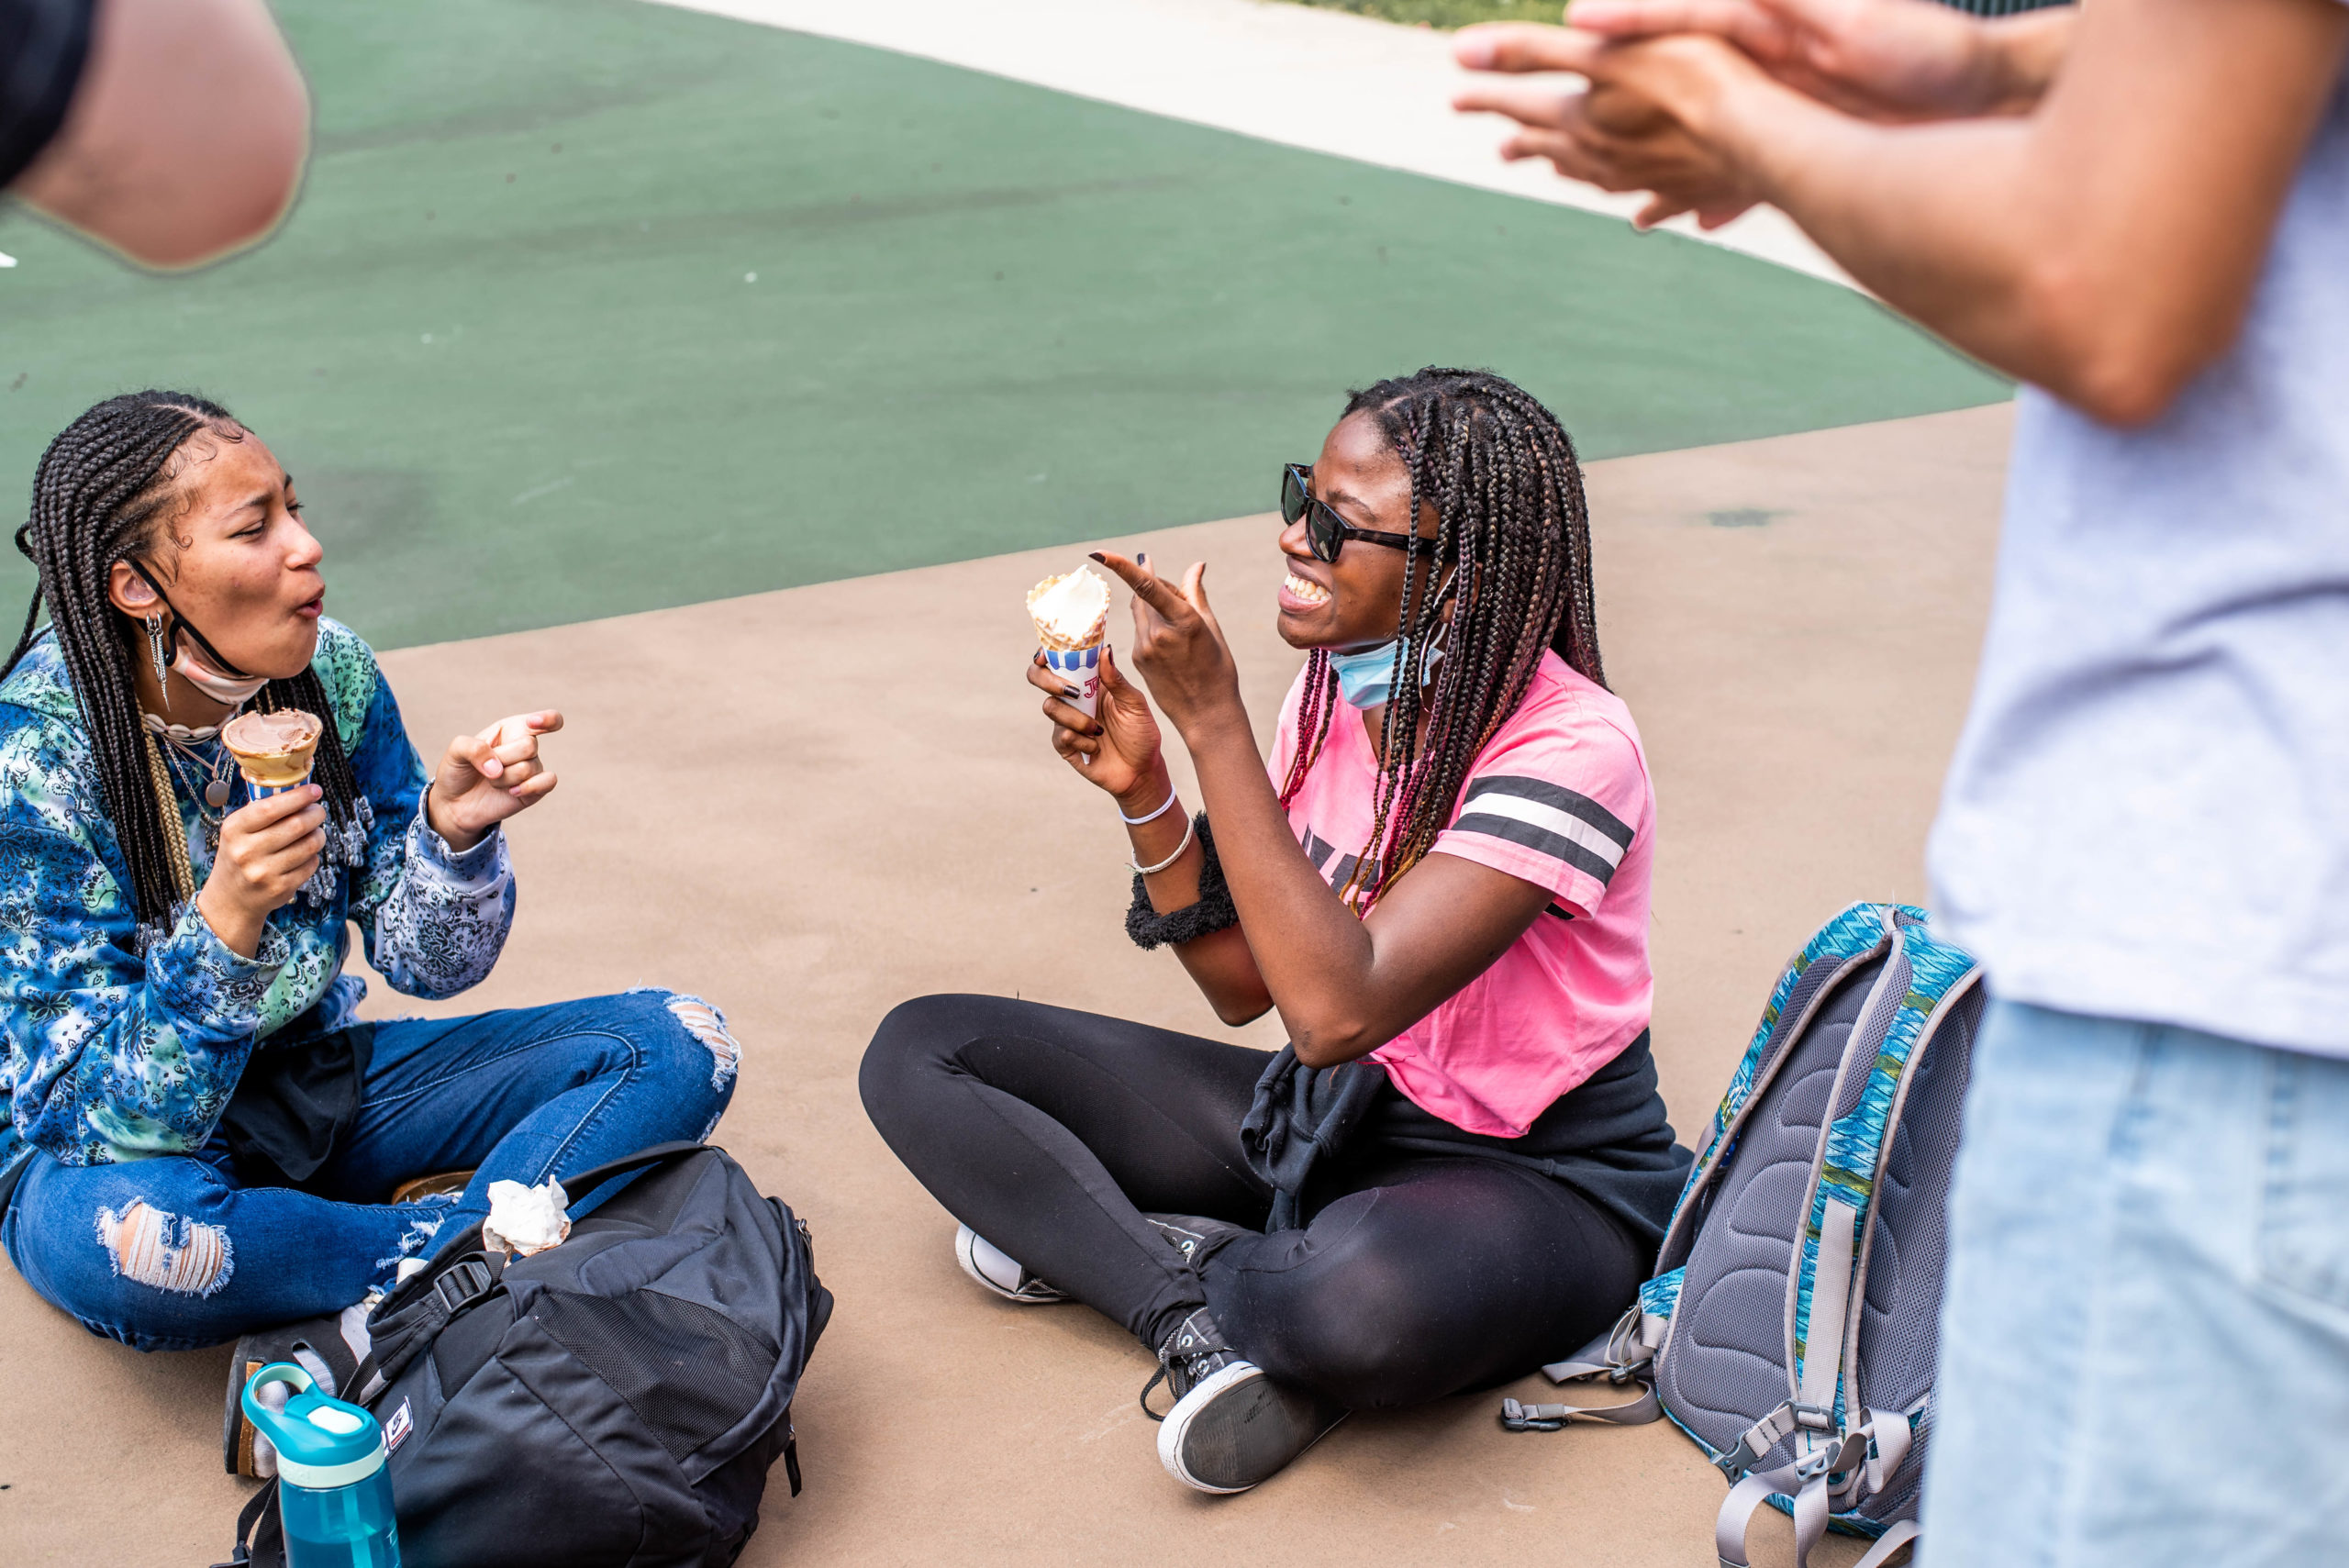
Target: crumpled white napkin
(523,1220)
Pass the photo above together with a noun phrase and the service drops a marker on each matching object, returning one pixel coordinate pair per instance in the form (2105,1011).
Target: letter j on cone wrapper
(1071,616)
(274,751)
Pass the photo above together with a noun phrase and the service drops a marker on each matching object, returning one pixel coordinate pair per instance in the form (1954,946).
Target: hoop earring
(156,650)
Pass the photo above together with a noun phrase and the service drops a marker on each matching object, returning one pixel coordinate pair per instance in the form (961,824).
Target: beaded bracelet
(1214,911)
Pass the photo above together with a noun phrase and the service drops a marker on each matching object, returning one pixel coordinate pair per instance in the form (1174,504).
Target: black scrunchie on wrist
(1214,911)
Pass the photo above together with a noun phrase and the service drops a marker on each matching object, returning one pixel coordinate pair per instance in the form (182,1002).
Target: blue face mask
(1366,679)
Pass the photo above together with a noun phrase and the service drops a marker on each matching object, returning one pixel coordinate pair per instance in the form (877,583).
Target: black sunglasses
(1325,530)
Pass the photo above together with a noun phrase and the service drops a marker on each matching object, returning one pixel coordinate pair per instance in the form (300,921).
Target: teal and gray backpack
(1791,1328)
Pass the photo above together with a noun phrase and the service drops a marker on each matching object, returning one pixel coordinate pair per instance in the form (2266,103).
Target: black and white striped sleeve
(1549,833)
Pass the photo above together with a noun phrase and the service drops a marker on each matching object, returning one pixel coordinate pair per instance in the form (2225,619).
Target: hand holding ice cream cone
(275,749)
(1101,725)
(1071,616)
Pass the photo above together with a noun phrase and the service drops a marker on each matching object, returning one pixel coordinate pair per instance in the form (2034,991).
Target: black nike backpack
(614,1402)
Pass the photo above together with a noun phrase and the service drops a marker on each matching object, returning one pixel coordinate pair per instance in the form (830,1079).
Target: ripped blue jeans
(172,1253)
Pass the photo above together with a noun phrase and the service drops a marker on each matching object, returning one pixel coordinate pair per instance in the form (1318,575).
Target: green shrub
(1449,13)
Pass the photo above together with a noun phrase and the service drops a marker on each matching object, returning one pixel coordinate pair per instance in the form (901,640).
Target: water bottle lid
(321,1443)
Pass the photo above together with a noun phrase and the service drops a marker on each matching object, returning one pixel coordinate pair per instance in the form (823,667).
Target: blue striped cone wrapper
(1080,668)
(262,791)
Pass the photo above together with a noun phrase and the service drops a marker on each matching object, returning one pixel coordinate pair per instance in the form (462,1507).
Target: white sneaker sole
(1175,1429)
(1038,1294)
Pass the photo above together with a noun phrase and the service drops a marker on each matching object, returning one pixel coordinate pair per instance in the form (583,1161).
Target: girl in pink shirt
(1459,1167)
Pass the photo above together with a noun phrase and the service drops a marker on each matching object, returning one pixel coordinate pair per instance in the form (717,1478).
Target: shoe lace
(1194,1363)
(1155,1379)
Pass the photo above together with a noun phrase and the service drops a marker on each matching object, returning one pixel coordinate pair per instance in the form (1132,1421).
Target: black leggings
(1051,1132)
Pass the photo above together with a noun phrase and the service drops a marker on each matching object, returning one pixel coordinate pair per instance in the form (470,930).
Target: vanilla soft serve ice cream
(1070,610)
(1071,616)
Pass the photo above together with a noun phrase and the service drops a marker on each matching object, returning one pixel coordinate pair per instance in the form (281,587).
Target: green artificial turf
(511,347)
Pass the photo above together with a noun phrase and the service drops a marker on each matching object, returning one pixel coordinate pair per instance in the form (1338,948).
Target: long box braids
(99,496)
(1512,522)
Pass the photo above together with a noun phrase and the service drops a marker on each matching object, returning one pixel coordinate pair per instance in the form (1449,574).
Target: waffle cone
(1046,637)
(275,766)
(275,773)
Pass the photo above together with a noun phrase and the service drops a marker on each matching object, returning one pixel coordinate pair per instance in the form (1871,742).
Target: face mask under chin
(1366,679)
(197,671)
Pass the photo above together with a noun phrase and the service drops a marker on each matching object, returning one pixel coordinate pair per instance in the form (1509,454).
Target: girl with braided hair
(202,1139)
(1459,1167)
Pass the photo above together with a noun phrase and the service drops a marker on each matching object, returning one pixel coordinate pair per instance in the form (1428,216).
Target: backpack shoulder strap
(1922,981)
(1855,936)
(407,1323)
(261,1533)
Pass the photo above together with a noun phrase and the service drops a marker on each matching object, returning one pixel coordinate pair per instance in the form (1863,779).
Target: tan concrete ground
(871,812)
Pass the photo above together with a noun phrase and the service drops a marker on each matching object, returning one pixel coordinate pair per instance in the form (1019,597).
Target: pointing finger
(1148,587)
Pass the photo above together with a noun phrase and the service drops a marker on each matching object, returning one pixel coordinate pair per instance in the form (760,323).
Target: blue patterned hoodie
(121,1045)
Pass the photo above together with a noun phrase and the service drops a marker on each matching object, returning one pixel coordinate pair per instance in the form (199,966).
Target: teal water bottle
(332,1492)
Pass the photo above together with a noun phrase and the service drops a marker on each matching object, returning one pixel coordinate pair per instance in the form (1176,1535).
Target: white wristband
(1138,821)
(1190,831)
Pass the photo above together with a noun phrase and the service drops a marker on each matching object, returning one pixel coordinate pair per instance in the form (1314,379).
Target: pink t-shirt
(1559,797)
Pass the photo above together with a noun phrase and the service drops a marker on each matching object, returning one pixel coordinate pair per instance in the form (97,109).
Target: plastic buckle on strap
(1737,1462)
(465,1283)
(1764,1435)
(1516,1417)
(1842,1457)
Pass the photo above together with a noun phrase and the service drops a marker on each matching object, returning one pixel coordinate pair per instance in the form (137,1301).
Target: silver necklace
(180,746)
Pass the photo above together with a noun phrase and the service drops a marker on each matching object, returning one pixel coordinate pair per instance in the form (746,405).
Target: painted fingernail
(1097,555)
(1069,692)
(1143,559)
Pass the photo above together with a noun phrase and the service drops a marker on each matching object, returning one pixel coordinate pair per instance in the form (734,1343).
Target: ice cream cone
(274,751)
(1071,616)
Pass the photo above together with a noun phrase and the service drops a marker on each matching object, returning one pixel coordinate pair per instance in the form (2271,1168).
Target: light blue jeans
(2145,1342)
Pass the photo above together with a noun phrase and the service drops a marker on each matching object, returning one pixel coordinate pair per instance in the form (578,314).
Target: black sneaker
(329,1348)
(1196,1239)
(1231,1427)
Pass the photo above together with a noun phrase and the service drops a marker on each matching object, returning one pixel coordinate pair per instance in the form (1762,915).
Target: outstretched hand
(1879,60)
(1179,647)
(1647,121)
(483,779)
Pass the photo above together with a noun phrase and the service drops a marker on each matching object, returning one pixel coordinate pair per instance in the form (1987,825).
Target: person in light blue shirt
(2141,209)
(201,1138)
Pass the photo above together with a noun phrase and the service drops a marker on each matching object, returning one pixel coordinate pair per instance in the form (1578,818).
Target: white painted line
(1326,80)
